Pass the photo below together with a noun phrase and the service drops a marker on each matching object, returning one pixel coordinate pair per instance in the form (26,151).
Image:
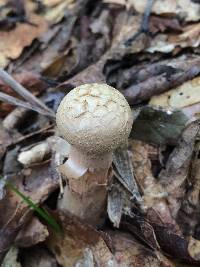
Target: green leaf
(158,125)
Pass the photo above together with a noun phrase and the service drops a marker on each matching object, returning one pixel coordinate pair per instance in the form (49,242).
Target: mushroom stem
(88,179)
(80,162)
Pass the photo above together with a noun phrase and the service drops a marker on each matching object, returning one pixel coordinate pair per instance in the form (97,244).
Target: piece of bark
(160,83)
(141,72)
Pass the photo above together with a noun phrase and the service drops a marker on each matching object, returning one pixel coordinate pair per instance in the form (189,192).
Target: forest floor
(150,51)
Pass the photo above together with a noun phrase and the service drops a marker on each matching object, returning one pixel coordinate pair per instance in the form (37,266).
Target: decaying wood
(166,77)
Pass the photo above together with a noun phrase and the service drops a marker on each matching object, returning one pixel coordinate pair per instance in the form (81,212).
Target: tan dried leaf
(189,37)
(2,2)
(153,193)
(52,2)
(118,2)
(13,42)
(184,95)
(167,43)
(57,10)
(194,248)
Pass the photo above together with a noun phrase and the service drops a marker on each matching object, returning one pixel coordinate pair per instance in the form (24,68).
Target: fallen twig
(35,103)
(144,27)
(17,102)
(151,81)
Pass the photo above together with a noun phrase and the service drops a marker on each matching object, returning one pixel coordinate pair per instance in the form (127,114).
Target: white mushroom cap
(94,118)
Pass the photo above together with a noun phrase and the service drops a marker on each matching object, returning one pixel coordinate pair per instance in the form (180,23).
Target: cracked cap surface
(95,118)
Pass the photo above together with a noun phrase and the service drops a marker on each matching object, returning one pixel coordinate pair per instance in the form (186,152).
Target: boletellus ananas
(94,119)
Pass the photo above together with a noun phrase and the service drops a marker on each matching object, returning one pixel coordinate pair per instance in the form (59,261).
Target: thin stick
(5,77)
(15,101)
(144,27)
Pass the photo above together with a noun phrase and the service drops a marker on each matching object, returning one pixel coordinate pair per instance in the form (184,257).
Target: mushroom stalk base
(88,179)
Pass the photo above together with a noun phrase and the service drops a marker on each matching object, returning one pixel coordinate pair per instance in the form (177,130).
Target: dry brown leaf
(186,9)
(160,44)
(161,24)
(13,42)
(188,216)
(129,252)
(36,183)
(129,26)
(189,37)
(167,43)
(118,2)
(80,243)
(34,232)
(55,14)
(154,194)
(173,177)
(69,248)
(53,2)
(194,248)
(182,96)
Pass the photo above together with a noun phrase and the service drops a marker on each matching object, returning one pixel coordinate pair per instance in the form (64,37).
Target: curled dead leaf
(24,34)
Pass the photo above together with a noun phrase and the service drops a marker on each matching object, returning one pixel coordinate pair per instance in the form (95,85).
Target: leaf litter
(149,51)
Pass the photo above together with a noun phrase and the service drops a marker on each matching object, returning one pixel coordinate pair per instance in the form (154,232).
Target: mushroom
(94,119)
